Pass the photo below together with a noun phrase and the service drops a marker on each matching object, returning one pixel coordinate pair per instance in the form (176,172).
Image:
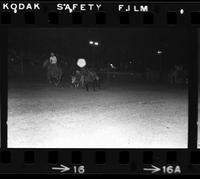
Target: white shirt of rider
(53,60)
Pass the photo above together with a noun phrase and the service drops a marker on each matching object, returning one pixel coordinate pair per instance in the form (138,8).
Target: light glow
(81,62)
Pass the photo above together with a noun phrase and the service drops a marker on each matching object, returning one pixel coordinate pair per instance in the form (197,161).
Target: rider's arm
(56,59)
(50,59)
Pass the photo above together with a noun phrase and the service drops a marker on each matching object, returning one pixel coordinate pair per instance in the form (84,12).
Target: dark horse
(91,79)
(54,73)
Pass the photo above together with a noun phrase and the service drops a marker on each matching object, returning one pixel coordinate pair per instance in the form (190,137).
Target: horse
(85,79)
(75,81)
(91,78)
(54,73)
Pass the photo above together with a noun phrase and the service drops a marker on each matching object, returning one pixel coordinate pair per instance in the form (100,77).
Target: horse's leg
(87,86)
(57,82)
(53,78)
(99,84)
(48,78)
(58,76)
(93,85)
(82,81)
(54,81)
(61,78)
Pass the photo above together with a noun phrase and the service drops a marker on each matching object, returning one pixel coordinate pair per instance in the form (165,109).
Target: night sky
(115,45)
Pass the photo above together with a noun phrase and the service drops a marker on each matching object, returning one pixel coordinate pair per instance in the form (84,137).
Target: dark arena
(98,87)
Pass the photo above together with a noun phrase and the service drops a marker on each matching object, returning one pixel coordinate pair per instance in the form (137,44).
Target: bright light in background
(81,62)
(159,52)
(181,11)
(93,43)
(96,43)
(112,66)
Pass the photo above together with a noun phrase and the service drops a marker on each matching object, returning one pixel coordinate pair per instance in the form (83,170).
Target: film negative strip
(99,87)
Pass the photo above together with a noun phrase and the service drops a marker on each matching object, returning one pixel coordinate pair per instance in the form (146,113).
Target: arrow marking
(62,168)
(154,169)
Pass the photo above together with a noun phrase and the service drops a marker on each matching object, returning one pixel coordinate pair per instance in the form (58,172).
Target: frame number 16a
(170,169)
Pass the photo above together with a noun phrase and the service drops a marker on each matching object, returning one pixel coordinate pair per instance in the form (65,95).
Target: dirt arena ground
(116,116)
